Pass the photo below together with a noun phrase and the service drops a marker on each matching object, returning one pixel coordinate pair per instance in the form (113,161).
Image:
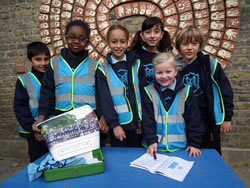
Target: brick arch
(219,21)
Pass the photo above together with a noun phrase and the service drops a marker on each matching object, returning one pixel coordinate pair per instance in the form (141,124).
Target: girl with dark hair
(148,42)
(69,82)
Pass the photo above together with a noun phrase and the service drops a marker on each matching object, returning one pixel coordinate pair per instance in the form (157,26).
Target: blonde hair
(165,57)
(189,34)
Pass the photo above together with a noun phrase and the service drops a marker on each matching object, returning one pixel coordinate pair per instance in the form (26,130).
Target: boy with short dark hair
(211,86)
(27,95)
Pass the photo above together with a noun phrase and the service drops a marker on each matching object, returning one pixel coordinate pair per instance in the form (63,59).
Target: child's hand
(152,149)
(119,133)
(40,119)
(103,125)
(226,127)
(38,136)
(195,152)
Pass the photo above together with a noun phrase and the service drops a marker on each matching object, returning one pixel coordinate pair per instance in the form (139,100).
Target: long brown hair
(148,23)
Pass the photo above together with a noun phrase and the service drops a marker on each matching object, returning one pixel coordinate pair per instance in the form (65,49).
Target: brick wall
(20,25)
(238,73)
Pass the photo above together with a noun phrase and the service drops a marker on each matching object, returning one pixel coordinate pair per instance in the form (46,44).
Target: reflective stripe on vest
(135,70)
(219,110)
(118,92)
(74,88)
(170,128)
(33,86)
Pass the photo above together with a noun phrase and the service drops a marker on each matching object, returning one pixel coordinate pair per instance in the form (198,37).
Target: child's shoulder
(24,78)
(132,57)
(55,58)
(24,75)
(131,54)
(93,60)
(180,63)
(211,61)
(204,59)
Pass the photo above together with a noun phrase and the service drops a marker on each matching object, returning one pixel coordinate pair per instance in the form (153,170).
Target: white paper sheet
(172,167)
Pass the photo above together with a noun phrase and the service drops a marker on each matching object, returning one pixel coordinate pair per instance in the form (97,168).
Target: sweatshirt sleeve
(194,126)
(148,119)
(21,107)
(47,93)
(141,77)
(226,90)
(104,102)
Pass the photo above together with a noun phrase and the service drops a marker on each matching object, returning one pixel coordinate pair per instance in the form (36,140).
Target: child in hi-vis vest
(118,90)
(69,82)
(27,95)
(170,114)
(210,84)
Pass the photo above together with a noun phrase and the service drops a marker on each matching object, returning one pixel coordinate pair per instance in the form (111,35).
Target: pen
(154,155)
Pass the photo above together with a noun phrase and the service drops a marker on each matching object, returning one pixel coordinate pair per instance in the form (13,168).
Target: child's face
(40,62)
(152,37)
(189,50)
(76,39)
(118,43)
(165,74)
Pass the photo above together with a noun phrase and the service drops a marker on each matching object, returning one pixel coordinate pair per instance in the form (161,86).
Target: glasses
(73,38)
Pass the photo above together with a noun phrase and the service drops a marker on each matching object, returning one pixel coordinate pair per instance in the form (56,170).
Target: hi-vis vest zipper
(74,88)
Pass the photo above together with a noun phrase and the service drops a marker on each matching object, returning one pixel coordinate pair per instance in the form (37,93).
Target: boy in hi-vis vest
(211,86)
(27,95)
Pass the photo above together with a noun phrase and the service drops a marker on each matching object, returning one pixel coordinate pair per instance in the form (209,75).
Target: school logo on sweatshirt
(123,75)
(149,73)
(167,102)
(193,80)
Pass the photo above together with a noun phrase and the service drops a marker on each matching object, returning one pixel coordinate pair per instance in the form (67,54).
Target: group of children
(140,96)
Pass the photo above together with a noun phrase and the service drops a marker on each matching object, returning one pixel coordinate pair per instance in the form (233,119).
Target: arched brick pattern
(219,21)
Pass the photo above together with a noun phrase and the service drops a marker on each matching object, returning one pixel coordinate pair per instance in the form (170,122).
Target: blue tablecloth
(209,170)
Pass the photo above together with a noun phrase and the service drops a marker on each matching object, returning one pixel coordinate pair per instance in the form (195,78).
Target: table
(209,170)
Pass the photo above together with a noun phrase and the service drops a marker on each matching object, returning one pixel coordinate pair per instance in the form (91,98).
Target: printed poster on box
(72,133)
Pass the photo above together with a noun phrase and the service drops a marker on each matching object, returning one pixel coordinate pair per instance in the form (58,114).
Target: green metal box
(76,171)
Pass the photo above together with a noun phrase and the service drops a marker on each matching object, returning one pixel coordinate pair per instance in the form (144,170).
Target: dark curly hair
(80,23)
